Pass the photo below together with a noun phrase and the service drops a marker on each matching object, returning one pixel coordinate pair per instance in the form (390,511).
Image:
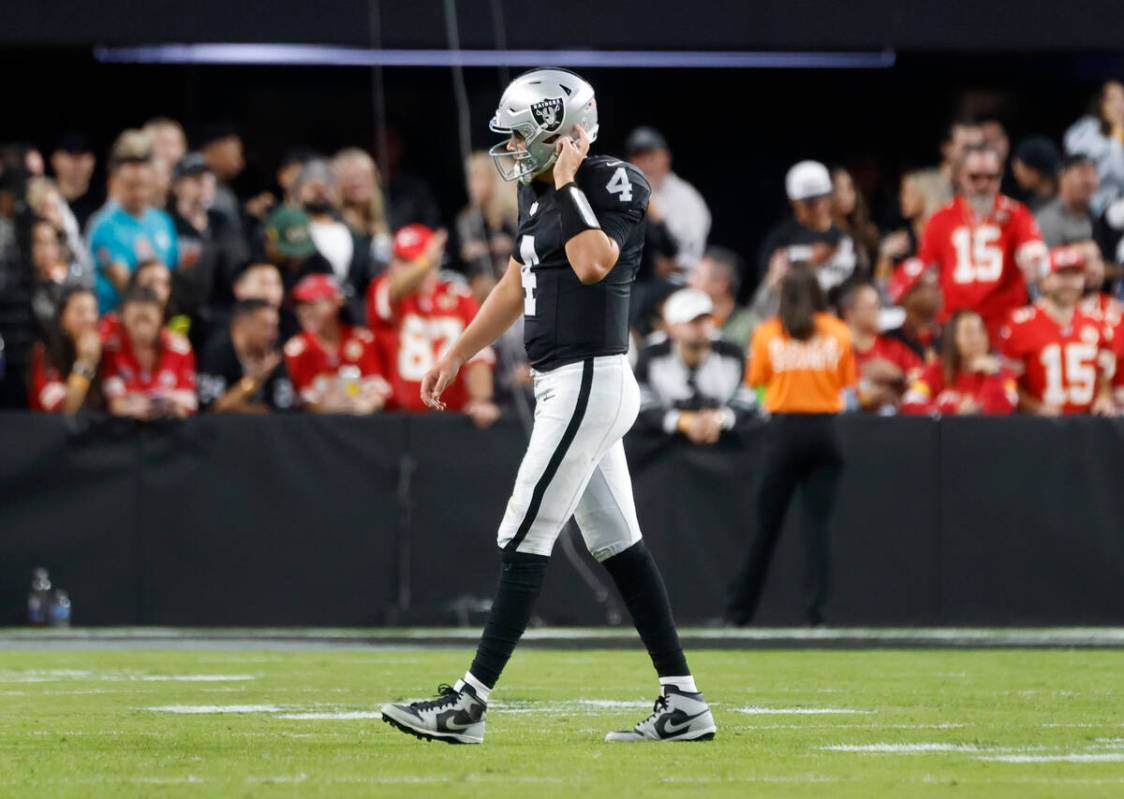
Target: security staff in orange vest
(804,362)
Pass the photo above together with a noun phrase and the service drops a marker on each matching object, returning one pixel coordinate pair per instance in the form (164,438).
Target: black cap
(191,165)
(645,139)
(1039,152)
(73,143)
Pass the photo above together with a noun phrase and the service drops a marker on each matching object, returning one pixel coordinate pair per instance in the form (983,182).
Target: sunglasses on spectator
(977,176)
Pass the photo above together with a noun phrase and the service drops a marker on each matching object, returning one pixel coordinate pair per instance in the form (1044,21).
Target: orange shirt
(802,376)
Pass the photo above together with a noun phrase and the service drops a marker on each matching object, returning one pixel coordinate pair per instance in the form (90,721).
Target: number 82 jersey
(565,321)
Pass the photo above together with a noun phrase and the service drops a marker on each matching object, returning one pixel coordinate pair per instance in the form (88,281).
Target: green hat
(287,228)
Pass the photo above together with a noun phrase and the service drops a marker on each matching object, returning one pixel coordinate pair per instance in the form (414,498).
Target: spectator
(169,146)
(918,199)
(885,365)
(260,281)
(17,324)
(716,275)
(51,274)
(348,255)
(967,379)
(961,135)
(45,201)
(131,231)
(335,368)
(1035,168)
(155,276)
(130,145)
(241,369)
(416,317)
(147,372)
(851,214)
(917,290)
(289,245)
(1100,136)
(809,235)
(1063,357)
(73,163)
(1067,218)
(677,203)
(691,384)
(363,205)
(984,244)
(221,146)
(485,228)
(995,136)
(210,251)
(64,363)
(289,170)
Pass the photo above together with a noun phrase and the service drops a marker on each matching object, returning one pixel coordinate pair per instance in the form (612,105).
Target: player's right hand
(438,379)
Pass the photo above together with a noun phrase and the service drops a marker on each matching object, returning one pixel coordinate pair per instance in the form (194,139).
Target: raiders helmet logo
(548,113)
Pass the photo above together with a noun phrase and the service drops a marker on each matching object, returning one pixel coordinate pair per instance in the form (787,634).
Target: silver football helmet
(540,106)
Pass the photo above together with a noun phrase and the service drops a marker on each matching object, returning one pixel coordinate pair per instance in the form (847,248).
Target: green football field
(302,721)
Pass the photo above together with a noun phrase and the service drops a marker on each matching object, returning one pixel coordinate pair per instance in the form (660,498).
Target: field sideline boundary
(563,638)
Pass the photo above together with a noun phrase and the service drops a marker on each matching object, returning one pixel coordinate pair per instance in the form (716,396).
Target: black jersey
(564,321)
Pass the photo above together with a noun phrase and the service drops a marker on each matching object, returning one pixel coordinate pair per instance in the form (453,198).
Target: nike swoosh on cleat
(667,727)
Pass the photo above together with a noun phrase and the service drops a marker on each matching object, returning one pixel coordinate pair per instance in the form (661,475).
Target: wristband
(82,370)
(577,214)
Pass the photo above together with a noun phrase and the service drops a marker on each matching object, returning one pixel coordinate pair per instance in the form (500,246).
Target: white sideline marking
(754,710)
(944,726)
(344,715)
(902,749)
(54,675)
(780,778)
(1074,757)
(196,677)
(294,779)
(194,709)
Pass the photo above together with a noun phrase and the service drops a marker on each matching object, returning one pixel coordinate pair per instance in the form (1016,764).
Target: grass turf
(81,723)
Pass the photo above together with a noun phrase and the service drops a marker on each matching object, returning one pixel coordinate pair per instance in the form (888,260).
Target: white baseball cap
(806,180)
(686,305)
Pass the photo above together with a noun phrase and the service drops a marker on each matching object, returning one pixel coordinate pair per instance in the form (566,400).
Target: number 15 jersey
(564,321)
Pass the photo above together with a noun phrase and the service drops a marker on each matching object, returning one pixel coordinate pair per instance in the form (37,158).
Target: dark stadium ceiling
(699,25)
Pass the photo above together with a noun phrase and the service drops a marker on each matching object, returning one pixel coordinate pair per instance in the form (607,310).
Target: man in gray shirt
(1068,218)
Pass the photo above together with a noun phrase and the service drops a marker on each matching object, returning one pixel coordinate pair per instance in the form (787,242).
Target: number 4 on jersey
(619,185)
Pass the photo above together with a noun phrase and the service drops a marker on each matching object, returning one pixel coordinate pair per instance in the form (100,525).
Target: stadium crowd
(163,294)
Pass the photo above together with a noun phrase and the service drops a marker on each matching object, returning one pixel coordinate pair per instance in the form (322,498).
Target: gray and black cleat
(455,717)
(676,716)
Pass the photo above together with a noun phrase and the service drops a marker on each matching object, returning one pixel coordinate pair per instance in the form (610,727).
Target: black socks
(641,586)
(520,584)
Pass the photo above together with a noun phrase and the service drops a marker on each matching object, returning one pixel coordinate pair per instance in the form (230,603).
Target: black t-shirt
(219,369)
(788,235)
(564,321)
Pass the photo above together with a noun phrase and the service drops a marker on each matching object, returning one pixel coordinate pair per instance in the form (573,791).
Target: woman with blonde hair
(486,226)
(364,204)
(919,197)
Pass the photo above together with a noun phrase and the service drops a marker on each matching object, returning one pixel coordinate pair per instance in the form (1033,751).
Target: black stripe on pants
(800,450)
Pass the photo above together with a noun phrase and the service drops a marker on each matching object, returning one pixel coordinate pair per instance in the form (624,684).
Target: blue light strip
(323,55)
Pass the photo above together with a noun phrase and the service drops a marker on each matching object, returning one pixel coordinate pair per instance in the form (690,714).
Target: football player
(1063,355)
(578,245)
(982,243)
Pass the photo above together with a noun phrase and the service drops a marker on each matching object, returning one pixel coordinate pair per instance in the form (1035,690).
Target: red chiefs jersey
(1059,364)
(1111,311)
(174,372)
(48,384)
(892,350)
(415,333)
(311,366)
(978,260)
(996,394)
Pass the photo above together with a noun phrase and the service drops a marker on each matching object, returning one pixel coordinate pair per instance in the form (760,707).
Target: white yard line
(1072,757)
(202,709)
(343,715)
(755,710)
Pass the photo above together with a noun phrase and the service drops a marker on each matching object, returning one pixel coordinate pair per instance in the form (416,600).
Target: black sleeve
(618,194)
(213,374)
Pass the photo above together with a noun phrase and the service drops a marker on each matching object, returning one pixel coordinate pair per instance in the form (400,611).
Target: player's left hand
(483,413)
(438,379)
(571,153)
